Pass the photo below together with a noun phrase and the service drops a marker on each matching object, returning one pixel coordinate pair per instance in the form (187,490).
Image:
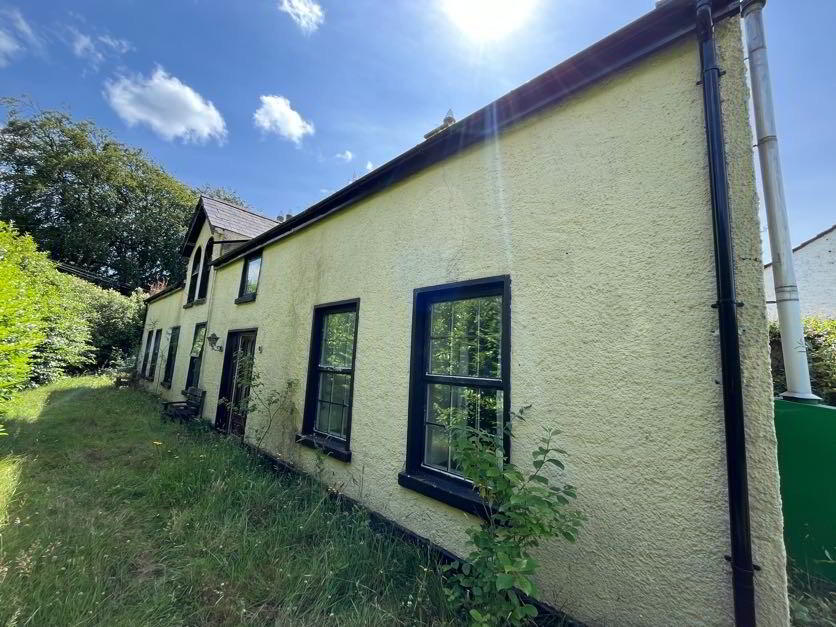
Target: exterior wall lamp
(213,341)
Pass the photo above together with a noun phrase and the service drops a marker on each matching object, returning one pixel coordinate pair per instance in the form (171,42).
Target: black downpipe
(741,541)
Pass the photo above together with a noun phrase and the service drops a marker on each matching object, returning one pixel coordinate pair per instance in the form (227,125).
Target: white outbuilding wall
(815,270)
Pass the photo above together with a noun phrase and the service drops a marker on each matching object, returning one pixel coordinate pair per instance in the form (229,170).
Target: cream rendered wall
(599,209)
(168,312)
(162,314)
(815,271)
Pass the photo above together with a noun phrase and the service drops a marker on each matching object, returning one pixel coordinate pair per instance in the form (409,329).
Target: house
(815,271)
(554,248)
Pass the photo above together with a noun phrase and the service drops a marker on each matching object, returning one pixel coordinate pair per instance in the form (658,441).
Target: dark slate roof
(224,215)
(229,217)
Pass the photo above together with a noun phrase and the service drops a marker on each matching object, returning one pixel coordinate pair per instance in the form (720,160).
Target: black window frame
(205,270)
(196,262)
(243,295)
(445,487)
(193,380)
(171,356)
(155,354)
(149,338)
(337,448)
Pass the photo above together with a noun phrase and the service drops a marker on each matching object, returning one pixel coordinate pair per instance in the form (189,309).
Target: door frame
(222,421)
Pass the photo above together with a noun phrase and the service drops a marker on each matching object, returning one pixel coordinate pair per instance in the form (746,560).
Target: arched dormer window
(195,273)
(204,274)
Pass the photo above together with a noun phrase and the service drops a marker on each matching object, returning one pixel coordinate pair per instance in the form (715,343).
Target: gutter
(668,23)
(743,588)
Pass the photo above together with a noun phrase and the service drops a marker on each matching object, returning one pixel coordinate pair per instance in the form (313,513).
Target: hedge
(820,335)
(52,324)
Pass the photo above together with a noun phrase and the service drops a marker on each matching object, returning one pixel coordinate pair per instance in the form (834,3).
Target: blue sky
(266,96)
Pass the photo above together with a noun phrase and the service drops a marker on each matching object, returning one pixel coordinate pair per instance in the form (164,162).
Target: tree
(222,193)
(90,200)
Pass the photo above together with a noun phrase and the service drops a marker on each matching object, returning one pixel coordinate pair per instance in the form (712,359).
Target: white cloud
(346,155)
(171,108)
(120,46)
(25,31)
(94,51)
(9,47)
(84,48)
(307,14)
(275,115)
(16,36)
(369,166)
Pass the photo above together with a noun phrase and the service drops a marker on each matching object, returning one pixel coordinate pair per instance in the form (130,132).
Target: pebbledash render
(574,216)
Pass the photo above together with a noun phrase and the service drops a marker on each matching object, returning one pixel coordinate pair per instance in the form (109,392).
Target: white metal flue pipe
(783,272)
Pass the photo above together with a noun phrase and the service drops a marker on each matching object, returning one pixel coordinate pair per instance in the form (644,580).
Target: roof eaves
(805,242)
(165,292)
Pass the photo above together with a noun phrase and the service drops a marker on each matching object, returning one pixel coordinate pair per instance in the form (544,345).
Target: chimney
(448,120)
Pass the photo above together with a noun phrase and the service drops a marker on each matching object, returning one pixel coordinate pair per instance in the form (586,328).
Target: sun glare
(488,20)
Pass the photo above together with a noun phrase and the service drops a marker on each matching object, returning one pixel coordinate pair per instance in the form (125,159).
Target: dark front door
(235,383)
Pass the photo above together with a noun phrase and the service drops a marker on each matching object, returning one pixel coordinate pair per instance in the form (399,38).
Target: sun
(488,20)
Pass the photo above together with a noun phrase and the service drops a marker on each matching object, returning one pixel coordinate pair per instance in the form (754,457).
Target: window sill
(457,494)
(333,448)
(166,384)
(246,298)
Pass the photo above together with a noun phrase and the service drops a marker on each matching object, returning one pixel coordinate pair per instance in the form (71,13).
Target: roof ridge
(239,207)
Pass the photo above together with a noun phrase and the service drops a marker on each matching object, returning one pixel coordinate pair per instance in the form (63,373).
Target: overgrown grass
(109,516)
(812,600)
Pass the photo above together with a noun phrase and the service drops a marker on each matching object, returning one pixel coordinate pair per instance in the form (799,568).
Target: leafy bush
(27,299)
(523,508)
(52,324)
(66,348)
(115,321)
(820,335)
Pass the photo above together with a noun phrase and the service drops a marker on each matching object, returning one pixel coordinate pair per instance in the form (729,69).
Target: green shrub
(114,320)
(66,348)
(53,324)
(523,508)
(820,335)
(27,300)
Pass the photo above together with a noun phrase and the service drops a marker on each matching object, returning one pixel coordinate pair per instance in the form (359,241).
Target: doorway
(234,393)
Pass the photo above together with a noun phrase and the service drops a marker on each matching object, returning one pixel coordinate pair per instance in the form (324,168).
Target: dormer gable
(227,222)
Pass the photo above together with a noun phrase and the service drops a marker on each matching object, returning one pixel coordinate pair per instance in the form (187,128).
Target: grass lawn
(108,516)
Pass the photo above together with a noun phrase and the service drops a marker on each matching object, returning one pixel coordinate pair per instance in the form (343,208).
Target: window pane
(326,386)
(465,337)
(197,344)
(436,447)
(452,406)
(341,383)
(338,419)
(338,339)
(323,417)
(490,336)
(332,404)
(253,272)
